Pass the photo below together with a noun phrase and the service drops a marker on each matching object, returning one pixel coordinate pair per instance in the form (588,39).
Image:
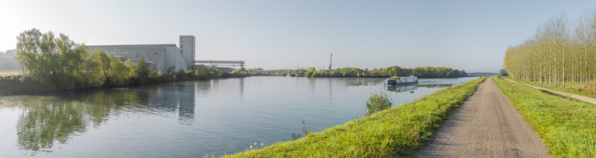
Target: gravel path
(485,125)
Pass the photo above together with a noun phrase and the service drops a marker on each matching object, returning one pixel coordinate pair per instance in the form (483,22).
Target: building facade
(161,57)
(187,49)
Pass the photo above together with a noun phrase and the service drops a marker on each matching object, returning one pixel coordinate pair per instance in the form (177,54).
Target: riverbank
(18,85)
(565,125)
(359,76)
(397,131)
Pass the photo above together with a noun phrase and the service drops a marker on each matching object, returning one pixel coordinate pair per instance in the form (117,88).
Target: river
(188,119)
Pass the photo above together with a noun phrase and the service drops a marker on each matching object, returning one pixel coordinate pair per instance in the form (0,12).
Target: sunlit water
(187,119)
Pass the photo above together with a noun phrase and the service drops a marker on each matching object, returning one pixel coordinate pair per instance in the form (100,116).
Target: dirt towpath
(485,125)
(571,95)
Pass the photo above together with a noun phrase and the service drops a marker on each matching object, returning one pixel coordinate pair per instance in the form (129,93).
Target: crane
(330,61)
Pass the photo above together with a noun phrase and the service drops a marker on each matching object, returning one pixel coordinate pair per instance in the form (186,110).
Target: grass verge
(569,89)
(394,132)
(566,126)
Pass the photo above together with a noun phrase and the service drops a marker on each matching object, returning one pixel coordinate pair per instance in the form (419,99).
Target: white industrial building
(162,57)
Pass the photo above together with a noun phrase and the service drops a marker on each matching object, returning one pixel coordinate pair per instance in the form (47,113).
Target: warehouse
(162,57)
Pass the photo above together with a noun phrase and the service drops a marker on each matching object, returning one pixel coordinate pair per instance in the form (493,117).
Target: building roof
(150,52)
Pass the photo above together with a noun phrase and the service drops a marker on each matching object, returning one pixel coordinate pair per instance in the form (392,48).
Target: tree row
(558,54)
(423,72)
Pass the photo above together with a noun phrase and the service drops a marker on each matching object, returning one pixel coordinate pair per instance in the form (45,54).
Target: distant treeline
(8,61)
(57,63)
(422,72)
(557,54)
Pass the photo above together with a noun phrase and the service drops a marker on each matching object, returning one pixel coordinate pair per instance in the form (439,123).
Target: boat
(401,80)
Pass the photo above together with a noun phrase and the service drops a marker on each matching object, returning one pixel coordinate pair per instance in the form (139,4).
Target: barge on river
(401,80)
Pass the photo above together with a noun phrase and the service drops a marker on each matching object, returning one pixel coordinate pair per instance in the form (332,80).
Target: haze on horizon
(465,35)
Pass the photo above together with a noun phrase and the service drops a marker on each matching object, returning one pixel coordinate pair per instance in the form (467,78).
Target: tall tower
(187,49)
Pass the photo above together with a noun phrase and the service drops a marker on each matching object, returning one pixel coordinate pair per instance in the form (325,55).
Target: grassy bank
(394,132)
(570,88)
(567,126)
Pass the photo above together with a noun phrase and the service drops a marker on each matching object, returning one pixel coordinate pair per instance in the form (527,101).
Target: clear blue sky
(468,35)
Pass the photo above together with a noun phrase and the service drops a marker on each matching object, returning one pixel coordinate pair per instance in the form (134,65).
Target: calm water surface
(187,119)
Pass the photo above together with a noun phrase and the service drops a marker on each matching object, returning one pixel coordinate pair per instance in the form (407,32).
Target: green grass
(394,132)
(566,126)
(570,88)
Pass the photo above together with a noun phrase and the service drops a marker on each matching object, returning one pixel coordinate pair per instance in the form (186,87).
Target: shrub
(216,73)
(180,75)
(378,102)
(225,74)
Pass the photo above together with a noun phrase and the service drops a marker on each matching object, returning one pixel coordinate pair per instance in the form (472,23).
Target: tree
(131,68)
(503,72)
(202,72)
(142,70)
(120,71)
(28,54)
(50,59)
(104,60)
(310,72)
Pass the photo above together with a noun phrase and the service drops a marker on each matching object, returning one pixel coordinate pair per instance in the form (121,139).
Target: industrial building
(161,57)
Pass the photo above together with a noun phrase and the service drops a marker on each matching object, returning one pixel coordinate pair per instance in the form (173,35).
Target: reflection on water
(413,87)
(42,124)
(54,119)
(436,85)
(186,119)
(363,81)
(401,88)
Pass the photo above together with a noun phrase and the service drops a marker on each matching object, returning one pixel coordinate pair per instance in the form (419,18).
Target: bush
(216,73)
(180,75)
(378,102)
(225,75)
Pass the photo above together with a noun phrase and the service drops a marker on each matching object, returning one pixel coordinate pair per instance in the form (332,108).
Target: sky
(272,34)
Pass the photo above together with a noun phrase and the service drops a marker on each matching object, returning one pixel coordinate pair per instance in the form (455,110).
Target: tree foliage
(60,62)
(557,54)
(503,72)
